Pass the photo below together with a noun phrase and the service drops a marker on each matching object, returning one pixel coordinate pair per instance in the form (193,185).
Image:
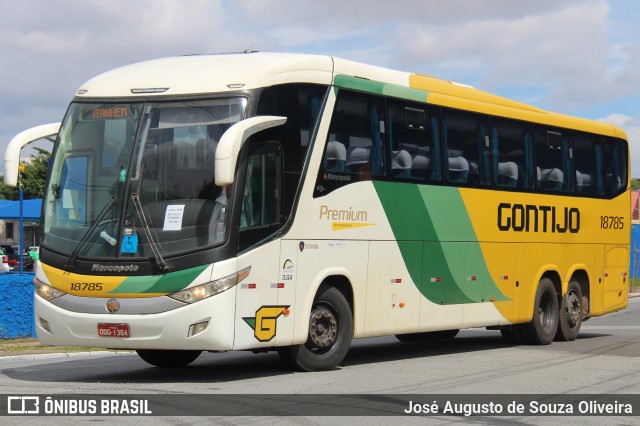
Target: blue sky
(578,57)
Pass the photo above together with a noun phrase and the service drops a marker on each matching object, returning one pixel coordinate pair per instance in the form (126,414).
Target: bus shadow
(370,351)
(367,351)
(127,368)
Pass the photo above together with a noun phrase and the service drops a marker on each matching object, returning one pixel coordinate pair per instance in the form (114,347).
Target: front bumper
(165,330)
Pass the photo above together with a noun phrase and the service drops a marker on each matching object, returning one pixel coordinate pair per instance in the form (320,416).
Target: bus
(292,203)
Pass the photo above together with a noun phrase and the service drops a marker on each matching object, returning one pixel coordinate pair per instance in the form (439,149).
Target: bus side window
(553,160)
(467,144)
(414,140)
(354,149)
(511,154)
(615,166)
(261,198)
(302,105)
(586,164)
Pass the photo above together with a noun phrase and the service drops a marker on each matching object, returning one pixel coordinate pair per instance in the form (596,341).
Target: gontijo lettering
(532,218)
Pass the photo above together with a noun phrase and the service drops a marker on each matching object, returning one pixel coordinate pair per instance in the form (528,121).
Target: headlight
(46,291)
(202,291)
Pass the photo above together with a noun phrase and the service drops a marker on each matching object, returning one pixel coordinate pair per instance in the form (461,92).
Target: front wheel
(570,314)
(542,328)
(330,333)
(168,358)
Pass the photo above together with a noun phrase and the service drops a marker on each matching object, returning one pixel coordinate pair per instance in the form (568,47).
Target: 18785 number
(86,286)
(611,222)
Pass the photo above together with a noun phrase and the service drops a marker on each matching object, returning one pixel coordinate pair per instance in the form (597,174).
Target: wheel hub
(323,328)
(573,309)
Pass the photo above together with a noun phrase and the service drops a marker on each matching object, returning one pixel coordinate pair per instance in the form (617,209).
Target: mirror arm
(12,153)
(232,141)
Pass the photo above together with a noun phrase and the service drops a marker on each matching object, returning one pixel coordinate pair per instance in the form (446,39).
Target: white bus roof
(182,75)
(202,74)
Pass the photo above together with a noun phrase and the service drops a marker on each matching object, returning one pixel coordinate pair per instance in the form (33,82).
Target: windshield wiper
(85,237)
(153,244)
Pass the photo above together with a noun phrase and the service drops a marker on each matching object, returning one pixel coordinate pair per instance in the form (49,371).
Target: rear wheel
(542,328)
(168,358)
(429,336)
(570,313)
(330,333)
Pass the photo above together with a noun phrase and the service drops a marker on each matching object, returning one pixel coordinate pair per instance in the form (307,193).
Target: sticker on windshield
(129,244)
(173,218)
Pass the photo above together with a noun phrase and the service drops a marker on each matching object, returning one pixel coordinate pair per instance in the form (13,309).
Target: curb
(32,357)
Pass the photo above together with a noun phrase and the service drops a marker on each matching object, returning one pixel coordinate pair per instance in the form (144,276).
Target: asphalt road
(605,359)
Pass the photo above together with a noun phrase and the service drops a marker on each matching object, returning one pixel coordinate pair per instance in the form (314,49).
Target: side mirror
(12,153)
(231,143)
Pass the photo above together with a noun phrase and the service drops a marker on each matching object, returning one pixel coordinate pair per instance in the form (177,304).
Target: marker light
(203,291)
(46,291)
(148,90)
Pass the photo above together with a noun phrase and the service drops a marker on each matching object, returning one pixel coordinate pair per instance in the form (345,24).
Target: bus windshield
(137,179)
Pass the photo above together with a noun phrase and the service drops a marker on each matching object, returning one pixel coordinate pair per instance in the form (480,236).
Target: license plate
(113,330)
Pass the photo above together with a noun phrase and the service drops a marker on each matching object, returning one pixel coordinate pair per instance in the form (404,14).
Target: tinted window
(587,158)
(301,104)
(553,162)
(512,159)
(414,137)
(354,150)
(467,155)
(615,166)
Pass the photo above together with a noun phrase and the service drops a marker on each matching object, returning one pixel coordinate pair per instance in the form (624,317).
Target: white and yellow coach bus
(293,202)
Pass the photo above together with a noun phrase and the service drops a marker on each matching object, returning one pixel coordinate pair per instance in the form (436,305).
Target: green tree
(7,192)
(33,178)
(635,184)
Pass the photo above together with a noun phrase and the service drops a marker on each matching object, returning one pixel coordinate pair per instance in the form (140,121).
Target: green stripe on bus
(377,88)
(438,243)
(168,283)
(361,84)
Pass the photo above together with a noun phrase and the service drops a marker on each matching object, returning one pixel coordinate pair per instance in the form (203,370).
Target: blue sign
(129,244)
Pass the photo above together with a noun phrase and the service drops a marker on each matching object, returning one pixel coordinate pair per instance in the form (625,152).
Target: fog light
(197,328)
(45,324)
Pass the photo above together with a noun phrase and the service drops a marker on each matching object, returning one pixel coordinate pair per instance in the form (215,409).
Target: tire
(168,358)
(544,324)
(571,313)
(429,336)
(330,334)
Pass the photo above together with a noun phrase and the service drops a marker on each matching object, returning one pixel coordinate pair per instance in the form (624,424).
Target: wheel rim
(545,312)
(323,330)
(573,309)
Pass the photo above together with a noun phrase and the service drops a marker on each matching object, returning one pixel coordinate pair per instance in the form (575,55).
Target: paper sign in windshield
(173,218)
